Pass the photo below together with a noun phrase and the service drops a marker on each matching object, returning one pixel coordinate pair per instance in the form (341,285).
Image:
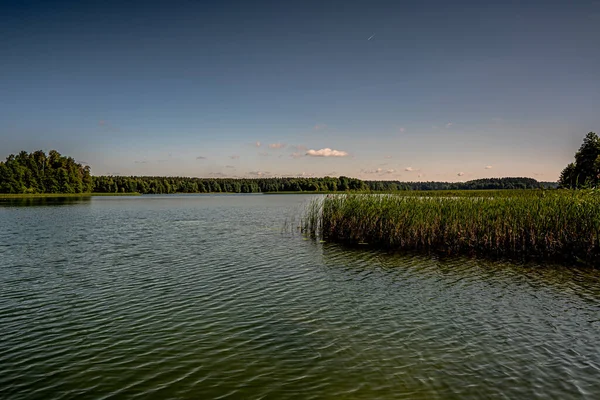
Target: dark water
(205,297)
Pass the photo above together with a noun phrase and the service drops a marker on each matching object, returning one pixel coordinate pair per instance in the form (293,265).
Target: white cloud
(258,173)
(234,157)
(388,156)
(378,171)
(257,144)
(449,124)
(326,152)
(460,174)
(277,145)
(409,169)
(488,167)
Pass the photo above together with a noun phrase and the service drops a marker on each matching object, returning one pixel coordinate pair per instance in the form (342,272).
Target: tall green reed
(526,224)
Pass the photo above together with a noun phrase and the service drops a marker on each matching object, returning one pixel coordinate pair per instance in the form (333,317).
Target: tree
(568,177)
(585,172)
(37,173)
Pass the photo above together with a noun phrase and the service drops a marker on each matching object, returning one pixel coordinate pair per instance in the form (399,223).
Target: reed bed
(557,225)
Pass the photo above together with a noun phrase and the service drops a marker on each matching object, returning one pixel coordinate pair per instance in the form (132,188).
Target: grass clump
(558,225)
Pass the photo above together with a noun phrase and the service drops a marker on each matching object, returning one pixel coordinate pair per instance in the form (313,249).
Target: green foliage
(40,173)
(585,172)
(167,185)
(477,184)
(557,225)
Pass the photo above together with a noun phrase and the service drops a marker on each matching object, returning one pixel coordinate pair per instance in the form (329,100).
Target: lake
(218,296)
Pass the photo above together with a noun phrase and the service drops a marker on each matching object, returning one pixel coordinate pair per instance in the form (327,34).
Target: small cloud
(326,152)
(296,155)
(488,167)
(390,171)
(449,124)
(299,147)
(277,145)
(141,162)
(257,144)
(420,175)
(461,174)
(402,130)
(234,157)
(200,158)
(258,173)
(388,156)
(218,174)
(230,166)
(264,154)
(409,169)
(319,127)
(372,171)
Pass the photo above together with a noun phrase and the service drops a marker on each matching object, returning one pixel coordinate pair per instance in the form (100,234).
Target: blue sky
(411,90)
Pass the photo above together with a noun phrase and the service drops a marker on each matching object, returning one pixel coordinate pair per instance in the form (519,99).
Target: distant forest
(53,173)
(158,185)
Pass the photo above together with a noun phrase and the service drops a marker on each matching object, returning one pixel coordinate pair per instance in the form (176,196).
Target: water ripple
(205,297)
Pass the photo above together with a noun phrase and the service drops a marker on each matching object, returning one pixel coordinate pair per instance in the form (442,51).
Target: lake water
(200,296)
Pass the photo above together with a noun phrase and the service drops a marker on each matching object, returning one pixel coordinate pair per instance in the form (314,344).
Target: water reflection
(43,201)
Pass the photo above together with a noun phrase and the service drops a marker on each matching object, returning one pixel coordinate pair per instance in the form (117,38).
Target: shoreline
(10,196)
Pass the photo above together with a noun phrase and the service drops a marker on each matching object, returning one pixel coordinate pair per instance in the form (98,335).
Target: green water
(194,297)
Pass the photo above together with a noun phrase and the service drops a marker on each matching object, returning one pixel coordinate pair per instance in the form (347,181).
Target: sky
(381,90)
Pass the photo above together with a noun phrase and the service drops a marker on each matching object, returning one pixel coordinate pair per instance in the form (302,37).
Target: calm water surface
(196,297)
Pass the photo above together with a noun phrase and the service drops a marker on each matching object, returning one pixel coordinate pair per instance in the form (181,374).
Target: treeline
(477,184)
(40,173)
(53,173)
(165,185)
(160,185)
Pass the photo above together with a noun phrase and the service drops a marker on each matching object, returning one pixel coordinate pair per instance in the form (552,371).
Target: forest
(36,172)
